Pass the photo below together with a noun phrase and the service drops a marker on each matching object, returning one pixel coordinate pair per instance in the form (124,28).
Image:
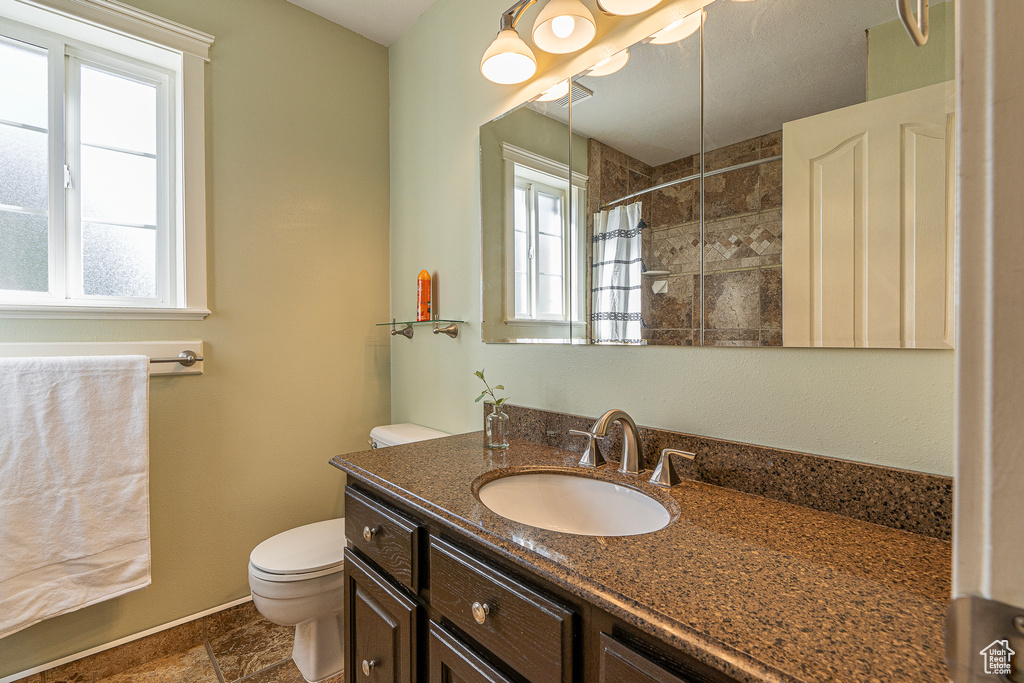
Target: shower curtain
(615,291)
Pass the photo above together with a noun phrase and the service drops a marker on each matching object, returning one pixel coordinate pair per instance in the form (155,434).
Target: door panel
(869,226)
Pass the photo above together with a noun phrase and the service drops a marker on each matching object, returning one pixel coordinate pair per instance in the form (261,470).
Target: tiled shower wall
(743,241)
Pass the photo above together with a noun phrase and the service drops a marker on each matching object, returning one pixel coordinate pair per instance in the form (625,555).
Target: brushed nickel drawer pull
(369,533)
(368,666)
(480,612)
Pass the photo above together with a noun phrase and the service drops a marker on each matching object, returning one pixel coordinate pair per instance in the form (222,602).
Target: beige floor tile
(251,648)
(228,620)
(190,666)
(287,672)
(128,656)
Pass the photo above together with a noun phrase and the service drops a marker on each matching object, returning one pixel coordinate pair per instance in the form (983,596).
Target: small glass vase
(496,428)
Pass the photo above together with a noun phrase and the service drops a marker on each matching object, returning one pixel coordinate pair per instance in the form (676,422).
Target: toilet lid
(308,548)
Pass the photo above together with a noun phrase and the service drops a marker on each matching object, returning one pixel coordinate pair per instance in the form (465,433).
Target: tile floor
(234,645)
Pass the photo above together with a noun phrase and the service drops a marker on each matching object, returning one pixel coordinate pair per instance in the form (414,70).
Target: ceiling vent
(579,94)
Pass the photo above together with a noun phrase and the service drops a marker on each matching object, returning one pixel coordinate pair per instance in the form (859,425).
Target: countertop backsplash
(917,502)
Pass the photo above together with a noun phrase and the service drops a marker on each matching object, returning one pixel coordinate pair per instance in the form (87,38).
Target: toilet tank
(394,435)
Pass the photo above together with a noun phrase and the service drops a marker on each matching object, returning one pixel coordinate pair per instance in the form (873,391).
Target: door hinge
(984,641)
(67,177)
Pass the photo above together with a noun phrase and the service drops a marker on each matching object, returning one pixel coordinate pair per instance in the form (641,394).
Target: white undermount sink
(576,505)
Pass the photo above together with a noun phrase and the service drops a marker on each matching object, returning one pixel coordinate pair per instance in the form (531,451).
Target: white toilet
(297,578)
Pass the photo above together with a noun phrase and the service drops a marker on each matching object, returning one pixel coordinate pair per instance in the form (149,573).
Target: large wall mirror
(781,176)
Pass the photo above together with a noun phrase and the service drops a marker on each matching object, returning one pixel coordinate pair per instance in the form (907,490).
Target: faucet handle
(592,454)
(665,474)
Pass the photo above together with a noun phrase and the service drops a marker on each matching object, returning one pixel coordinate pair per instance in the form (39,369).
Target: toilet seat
(304,552)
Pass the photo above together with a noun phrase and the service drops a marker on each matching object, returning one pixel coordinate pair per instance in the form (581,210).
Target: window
(543,240)
(93,173)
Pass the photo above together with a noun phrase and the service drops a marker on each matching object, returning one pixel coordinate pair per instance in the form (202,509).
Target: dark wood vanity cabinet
(380,627)
(421,608)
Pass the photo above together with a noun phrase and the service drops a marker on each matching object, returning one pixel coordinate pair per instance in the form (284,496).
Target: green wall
(877,406)
(297,163)
(896,65)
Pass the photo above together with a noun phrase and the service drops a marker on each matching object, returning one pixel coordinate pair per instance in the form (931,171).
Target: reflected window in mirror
(540,236)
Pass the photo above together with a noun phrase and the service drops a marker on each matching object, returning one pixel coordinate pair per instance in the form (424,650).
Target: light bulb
(562,26)
(508,60)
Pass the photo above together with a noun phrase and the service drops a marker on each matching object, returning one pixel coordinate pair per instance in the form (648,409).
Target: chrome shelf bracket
(405,332)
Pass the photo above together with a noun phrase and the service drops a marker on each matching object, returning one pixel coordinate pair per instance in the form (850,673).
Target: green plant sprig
(489,391)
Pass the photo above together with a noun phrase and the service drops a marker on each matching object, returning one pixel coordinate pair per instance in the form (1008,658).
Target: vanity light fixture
(679,30)
(609,66)
(508,59)
(625,8)
(564,26)
(555,92)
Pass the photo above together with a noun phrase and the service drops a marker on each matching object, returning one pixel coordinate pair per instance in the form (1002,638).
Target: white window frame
(111,34)
(541,170)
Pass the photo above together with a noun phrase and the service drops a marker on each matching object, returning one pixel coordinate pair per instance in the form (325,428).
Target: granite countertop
(762,590)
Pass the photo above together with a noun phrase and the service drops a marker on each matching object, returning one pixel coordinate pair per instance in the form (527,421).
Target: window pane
(23,168)
(118,112)
(549,296)
(522,294)
(549,213)
(23,252)
(520,212)
(118,261)
(522,253)
(549,251)
(118,187)
(23,83)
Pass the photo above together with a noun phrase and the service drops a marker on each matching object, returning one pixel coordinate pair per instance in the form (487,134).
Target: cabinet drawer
(387,537)
(452,660)
(526,630)
(620,663)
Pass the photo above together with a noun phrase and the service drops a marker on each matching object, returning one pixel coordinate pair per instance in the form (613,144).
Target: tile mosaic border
(917,502)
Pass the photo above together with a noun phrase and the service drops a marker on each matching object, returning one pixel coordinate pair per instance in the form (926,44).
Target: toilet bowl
(297,579)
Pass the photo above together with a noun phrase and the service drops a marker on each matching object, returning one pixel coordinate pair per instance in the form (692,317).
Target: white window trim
(194,48)
(512,155)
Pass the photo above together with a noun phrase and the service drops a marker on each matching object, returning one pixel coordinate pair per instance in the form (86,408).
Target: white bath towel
(74,484)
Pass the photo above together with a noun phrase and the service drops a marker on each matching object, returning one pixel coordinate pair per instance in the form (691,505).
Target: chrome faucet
(630,438)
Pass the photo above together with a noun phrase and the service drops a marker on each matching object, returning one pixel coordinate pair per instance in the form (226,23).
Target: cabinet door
(380,627)
(451,661)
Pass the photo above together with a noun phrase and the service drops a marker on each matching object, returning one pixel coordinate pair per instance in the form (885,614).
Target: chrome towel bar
(187,358)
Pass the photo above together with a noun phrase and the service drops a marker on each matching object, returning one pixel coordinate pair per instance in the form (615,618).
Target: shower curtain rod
(695,176)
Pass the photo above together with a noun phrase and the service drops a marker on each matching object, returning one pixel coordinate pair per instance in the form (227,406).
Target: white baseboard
(122,641)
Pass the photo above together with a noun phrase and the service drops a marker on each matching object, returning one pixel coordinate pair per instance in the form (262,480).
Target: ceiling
(382,21)
(766,63)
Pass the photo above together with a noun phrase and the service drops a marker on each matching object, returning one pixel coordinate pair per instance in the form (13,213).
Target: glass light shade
(552,33)
(557,91)
(508,60)
(610,65)
(678,30)
(625,8)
